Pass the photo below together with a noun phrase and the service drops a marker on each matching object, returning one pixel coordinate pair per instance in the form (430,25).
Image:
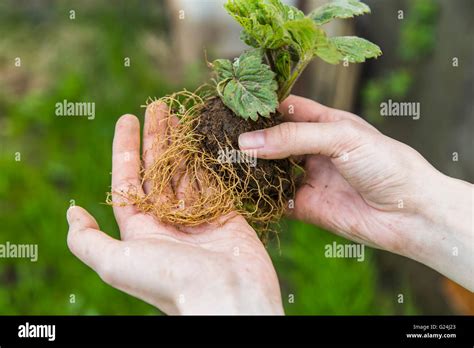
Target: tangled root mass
(199,174)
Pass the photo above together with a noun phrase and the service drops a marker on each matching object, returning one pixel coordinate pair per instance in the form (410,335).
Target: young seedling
(285,41)
(243,96)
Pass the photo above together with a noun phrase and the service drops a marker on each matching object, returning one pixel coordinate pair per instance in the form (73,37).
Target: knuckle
(350,138)
(286,133)
(353,131)
(70,240)
(105,270)
(348,127)
(73,238)
(106,265)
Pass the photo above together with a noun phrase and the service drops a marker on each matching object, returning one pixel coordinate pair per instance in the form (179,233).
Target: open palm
(216,268)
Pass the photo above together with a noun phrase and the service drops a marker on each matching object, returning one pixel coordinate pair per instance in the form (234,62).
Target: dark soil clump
(221,128)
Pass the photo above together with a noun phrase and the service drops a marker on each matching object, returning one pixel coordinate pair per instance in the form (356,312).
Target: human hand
(372,189)
(206,270)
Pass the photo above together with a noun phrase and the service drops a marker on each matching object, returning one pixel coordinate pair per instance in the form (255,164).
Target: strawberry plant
(243,96)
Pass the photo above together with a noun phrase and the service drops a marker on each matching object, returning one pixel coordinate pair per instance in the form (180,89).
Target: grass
(67,159)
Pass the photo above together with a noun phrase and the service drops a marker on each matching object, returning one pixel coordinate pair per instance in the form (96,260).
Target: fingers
(92,246)
(313,129)
(154,135)
(333,139)
(125,167)
(298,109)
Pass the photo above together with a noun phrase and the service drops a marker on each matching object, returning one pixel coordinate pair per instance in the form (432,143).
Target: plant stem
(270,60)
(285,90)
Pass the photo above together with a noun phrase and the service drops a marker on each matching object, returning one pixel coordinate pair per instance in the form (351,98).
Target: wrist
(230,306)
(443,236)
(234,296)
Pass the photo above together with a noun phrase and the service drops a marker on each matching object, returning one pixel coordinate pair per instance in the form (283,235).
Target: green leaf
(283,65)
(250,91)
(223,68)
(328,52)
(304,36)
(286,12)
(263,21)
(338,9)
(290,40)
(355,49)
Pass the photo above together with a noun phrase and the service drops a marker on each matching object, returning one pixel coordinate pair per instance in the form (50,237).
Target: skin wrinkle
(337,195)
(383,173)
(170,259)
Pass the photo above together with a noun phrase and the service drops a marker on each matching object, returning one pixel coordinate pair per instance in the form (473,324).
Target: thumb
(332,139)
(92,246)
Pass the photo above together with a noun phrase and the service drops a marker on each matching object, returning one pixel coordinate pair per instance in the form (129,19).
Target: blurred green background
(66,160)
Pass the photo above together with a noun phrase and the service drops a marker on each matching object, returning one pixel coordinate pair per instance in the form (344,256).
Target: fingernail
(252,140)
